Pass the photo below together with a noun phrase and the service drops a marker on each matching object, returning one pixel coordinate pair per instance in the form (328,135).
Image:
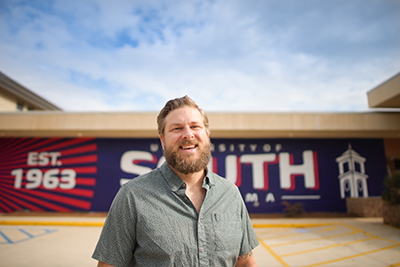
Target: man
(180,214)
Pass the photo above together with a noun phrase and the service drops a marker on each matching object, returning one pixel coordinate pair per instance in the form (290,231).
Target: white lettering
(253,147)
(286,170)
(128,158)
(251,197)
(43,158)
(267,148)
(231,168)
(222,148)
(260,162)
(270,198)
(232,148)
(154,147)
(18,177)
(49,179)
(68,179)
(257,161)
(241,147)
(54,157)
(34,177)
(278,148)
(32,157)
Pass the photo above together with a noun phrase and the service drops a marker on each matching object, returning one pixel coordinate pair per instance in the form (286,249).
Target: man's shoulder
(144,180)
(222,182)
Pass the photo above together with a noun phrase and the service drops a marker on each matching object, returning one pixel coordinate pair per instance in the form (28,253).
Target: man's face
(186,142)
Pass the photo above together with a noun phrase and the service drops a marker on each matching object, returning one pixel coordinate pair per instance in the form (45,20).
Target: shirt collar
(209,179)
(175,182)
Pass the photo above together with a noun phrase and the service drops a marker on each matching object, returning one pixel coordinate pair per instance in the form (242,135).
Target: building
(387,95)
(63,161)
(15,97)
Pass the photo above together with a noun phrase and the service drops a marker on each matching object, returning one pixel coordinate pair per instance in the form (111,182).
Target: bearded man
(180,214)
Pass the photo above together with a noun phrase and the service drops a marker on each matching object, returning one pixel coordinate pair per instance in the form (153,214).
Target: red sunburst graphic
(47,174)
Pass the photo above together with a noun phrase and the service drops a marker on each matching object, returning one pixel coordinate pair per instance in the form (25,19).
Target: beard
(188,163)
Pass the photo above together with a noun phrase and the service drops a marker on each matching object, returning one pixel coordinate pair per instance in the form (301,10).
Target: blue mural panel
(84,174)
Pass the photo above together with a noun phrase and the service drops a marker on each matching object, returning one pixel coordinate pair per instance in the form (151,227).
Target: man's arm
(246,260)
(103,264)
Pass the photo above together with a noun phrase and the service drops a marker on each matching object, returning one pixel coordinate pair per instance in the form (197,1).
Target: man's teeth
(188,146)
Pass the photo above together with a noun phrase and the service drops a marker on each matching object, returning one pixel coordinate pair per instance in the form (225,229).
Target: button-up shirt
(152,222)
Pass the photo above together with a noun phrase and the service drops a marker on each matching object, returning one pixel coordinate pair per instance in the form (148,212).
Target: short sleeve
(249,238)
(117,240)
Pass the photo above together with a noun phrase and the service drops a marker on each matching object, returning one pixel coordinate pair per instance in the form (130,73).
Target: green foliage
(293,210)
(391,193)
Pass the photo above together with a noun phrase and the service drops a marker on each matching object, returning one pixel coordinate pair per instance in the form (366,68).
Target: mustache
(188,142)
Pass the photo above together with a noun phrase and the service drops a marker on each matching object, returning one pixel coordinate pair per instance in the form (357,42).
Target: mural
(84,174)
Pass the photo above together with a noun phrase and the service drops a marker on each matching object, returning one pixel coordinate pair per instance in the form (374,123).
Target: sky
(227,55)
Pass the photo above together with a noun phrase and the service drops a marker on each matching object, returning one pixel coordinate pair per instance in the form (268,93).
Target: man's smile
(188,147)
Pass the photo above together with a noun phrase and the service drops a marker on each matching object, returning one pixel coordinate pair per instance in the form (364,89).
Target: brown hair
(175,104)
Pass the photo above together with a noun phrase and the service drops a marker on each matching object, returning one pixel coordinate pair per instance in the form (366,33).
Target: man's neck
(192,179)
(194,187)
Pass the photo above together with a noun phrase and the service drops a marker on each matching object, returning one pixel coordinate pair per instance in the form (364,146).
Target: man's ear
(162,141)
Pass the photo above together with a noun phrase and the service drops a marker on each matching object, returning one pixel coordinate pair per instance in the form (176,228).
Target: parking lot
(328,243)
(69,241)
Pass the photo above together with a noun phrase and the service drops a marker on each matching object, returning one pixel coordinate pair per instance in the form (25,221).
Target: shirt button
(183,185)
(202,249)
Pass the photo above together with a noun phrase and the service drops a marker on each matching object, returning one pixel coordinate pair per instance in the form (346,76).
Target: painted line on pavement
(315,239)
(353,256)
(328,247)
(290,225)
(100,224)
(392,265)
(355,230)
(52,223)
(273,253)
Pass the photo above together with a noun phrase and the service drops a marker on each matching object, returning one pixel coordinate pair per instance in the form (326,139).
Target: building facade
(76,161)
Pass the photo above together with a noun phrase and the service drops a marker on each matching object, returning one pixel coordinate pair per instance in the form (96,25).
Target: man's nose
(188,133)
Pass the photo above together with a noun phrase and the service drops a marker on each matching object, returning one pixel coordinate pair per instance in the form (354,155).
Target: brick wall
(365,207)
(391,214)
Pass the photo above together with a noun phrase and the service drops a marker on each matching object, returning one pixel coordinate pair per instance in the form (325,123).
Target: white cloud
(227,55)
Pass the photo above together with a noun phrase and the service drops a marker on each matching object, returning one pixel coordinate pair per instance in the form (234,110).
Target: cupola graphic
(352,177)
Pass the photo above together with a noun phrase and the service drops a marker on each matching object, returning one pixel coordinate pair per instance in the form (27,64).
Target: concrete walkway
(69,241)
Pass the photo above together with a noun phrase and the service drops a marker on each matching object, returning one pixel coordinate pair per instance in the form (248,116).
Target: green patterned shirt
(152,222)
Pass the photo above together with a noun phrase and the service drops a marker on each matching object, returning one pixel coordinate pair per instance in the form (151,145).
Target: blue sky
(228,55)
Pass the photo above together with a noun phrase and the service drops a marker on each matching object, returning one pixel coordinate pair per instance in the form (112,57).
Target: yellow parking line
(352,256)
(281,236)
(274,254)
(275,231)
(293,234)
(290,225)
(327,229)
(315,239)
(366,233)
(328,247)
(52,223)
(393,265)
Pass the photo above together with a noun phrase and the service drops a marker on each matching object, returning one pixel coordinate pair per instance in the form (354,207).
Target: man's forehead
(184,115)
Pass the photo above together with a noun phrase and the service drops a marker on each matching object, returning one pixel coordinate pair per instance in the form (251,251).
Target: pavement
(69,241)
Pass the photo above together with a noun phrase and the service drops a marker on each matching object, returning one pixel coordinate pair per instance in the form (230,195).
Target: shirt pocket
(227,231)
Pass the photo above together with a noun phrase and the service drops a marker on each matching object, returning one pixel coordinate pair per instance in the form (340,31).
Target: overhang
(222,125)
(22,94)
(386,95)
